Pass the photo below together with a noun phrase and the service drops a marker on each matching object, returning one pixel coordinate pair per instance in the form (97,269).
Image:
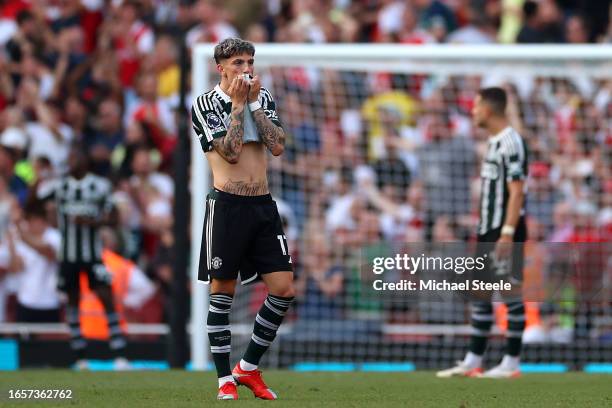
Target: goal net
(382,159)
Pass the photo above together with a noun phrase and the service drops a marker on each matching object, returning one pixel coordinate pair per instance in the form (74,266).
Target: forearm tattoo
(271,135)
(230,145)
(246,189)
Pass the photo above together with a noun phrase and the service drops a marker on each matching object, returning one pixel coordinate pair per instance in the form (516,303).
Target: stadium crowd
(370,158)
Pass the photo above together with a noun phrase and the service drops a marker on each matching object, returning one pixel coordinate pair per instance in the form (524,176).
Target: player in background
(83,202)
(237,124)
(502,223)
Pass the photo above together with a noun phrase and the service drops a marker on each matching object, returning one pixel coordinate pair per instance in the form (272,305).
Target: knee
(227,287)
(285,291)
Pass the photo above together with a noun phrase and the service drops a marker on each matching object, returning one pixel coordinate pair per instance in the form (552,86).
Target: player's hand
(238,90)
(503,248)
(255,88)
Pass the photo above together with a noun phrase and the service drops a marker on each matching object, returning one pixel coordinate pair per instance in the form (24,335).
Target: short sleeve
(515,158)
(207,123)
(269,106)
(108,201)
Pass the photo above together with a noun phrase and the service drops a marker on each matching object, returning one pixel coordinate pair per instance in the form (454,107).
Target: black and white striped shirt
(505,161)
(88,197)
(211,116)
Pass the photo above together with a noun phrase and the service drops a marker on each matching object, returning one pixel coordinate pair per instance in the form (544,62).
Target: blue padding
(311,366)
(543,368)
(387,367)
(109,365)
(598,368)
(189,366)
(9,354)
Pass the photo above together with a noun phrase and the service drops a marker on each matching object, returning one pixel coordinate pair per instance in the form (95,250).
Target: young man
(84,205)
(502,223)
(236,123)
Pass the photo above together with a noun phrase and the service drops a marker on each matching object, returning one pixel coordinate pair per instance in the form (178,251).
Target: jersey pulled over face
(211,116)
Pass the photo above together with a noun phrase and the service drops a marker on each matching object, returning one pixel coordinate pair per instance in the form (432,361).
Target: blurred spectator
(542,23)
(562,223)
(37,245)
(410,32)
(584,227)
(152,194)
(393,168)
(164,62)
(338,215)
(390,19)
(478,29)
(155,115)
(9,267)
(604,218)
(399,108)
(27,39)
(16,185)
(446,164)
(543,196)
(436,16)
(107,136)
(49,136)
(576,30)
(399,219)
(302,151)
(530,32)
(76,116)
(320,280)
(213,26)
(16,138)
(132,38)
(135,138)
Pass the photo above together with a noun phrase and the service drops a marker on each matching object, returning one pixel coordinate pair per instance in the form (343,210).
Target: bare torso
(247,177)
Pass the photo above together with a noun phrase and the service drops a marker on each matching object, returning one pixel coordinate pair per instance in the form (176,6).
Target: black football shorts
(512,269)
(69,274)
(242,235)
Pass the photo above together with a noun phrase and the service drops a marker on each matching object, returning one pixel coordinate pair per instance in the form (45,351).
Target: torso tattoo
(245,188)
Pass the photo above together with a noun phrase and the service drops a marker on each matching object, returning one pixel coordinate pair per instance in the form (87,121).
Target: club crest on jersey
(212,120)
(216,262)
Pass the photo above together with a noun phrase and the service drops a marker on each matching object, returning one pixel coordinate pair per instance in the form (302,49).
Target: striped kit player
(504,161)
(501,231)
(237,126)
(83,203)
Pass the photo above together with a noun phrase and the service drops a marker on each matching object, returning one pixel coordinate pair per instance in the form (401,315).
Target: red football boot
(253,381)
(228,391)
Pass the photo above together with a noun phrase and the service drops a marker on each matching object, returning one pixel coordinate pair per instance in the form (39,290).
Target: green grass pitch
(419,389)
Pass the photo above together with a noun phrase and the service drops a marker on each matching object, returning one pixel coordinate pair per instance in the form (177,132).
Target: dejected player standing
(502,223)
(236,123)
(84,205)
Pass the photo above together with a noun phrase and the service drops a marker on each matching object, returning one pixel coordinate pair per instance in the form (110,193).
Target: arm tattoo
(272,136)
(244,188)
(230,145)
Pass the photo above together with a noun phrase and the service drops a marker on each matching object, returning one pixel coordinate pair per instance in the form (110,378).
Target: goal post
(587,67)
